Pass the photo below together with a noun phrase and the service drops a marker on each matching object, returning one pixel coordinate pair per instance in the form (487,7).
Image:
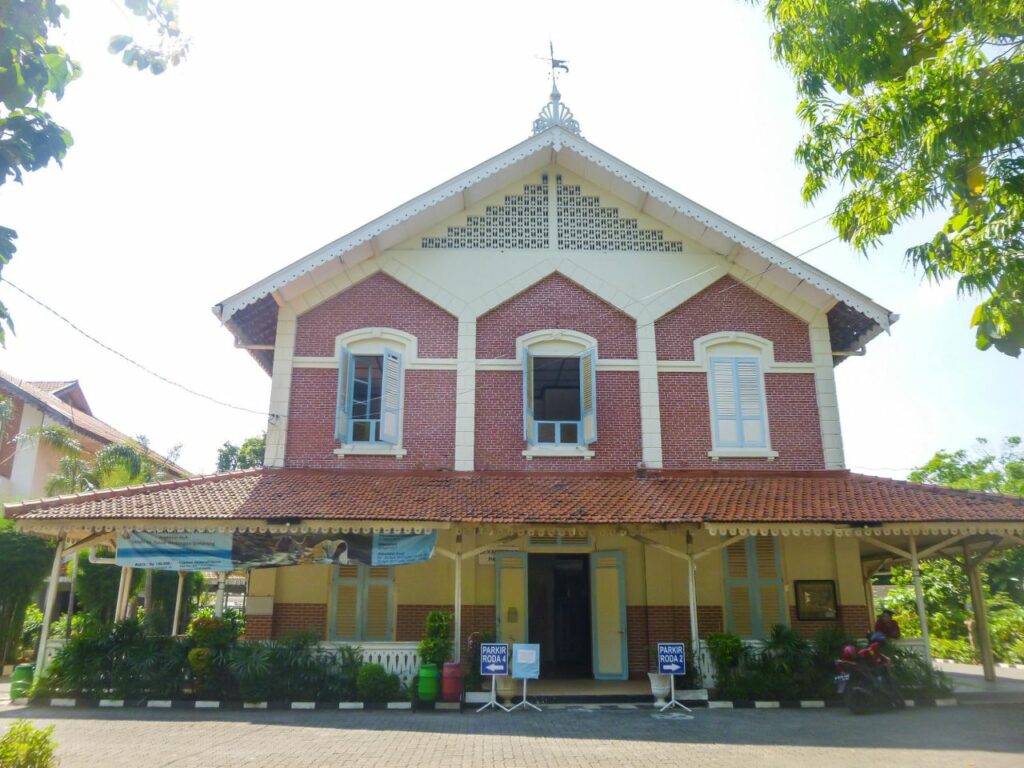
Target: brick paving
(964,736)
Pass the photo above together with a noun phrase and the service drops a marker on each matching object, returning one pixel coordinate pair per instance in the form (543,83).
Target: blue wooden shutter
(750,394)
(723,402)
(344,400)
(738,403)
(528,397)
(391,397)
(588,395)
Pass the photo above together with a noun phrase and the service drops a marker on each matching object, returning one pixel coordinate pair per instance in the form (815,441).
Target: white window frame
(558,342)
(376,342)
(737,346)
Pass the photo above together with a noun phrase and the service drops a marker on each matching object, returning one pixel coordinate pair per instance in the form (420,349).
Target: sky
(291,124)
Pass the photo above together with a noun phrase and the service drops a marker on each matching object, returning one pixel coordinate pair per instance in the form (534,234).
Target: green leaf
(119,42)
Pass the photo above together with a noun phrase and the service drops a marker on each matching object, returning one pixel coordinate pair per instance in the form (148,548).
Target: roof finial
(555,113)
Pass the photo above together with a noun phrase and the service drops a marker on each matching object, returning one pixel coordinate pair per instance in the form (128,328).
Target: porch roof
(838,497)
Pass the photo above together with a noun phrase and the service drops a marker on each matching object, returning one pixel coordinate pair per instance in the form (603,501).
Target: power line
(129,360)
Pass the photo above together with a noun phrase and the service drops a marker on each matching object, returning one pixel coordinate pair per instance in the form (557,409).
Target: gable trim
(549,144)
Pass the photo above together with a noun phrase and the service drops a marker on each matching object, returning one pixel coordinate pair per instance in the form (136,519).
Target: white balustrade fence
(401,659)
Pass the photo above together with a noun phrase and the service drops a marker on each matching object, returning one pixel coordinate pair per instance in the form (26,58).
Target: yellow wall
(653,577)
(303,584)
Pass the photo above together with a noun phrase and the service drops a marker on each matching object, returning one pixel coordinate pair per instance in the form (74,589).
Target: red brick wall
(651,624)
(259,627)
(793,423)
(555,302)
(378,301)
(412,621)
(728,305)
(299,617)
(853,619)
(428,428)
(499,425)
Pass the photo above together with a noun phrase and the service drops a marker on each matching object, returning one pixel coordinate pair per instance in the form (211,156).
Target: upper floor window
(369,397)
(560,398)
(737,402)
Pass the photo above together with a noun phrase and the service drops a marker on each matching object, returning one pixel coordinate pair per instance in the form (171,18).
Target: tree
(983,470)
(32,69)
(913,106)
(114,465)
(24,561)
(250,454)
(977,470)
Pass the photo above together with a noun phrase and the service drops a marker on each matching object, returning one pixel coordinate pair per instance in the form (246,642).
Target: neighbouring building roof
(46,396)
(68,391)
(531,498)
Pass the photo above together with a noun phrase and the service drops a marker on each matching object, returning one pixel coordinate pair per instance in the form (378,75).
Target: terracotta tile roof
(267,494)
(52,386)
(66,414)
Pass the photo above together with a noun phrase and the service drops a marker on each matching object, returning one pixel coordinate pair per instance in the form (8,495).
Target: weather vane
(556,64)
(555,113)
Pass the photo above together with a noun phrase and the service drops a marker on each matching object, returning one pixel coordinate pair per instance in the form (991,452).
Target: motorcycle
(864,678)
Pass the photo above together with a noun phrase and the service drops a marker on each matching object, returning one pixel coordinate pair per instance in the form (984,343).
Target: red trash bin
(451,681)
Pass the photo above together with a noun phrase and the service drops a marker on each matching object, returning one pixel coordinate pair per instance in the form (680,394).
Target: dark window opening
(367,376)
(556,389)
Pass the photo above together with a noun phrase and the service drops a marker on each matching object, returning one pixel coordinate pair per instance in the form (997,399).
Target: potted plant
(660,684)
(434,650)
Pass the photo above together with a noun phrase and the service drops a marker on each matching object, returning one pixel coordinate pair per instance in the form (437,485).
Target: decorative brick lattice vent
(585,225)
(522,222)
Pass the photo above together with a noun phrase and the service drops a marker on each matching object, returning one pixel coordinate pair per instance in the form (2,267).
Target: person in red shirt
(887,625)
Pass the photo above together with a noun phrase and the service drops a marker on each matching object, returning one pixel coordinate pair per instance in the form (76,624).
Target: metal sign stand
(494,697)
(524,703)
(672,697)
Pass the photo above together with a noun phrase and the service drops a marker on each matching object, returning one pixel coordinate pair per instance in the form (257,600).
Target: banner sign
(526,661)
(671,658)
(494,659)
(205,551)
(187,551)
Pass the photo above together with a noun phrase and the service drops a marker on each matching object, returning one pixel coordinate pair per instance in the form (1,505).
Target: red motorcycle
(864,678)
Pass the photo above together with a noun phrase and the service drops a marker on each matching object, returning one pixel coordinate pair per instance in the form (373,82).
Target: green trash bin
(427,690)
(21,680)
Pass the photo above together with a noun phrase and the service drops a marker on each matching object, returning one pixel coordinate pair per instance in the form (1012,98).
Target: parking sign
(494,659)
(672,658)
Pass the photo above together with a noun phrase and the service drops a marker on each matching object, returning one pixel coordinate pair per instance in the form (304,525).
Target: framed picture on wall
(816,600)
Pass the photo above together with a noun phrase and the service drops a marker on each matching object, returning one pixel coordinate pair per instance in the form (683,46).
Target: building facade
(616,408)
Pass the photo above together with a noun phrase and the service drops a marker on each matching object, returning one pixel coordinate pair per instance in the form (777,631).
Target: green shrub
(120,662)
(725,651)
(955,650)
(211,632)
(436,646)
(914,676)
(294,669)
(374,684)
(25,746)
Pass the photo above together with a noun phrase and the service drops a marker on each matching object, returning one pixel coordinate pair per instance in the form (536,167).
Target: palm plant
(113,465)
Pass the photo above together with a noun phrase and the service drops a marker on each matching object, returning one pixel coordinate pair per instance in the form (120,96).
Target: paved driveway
(964,736)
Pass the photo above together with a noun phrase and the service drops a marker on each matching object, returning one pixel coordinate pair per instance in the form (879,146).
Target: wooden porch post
(177,603)
(988,662)
(457,655)
(125,594)
(691,577)
(218,605)
(51,602)
(922,615)
(120,592)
